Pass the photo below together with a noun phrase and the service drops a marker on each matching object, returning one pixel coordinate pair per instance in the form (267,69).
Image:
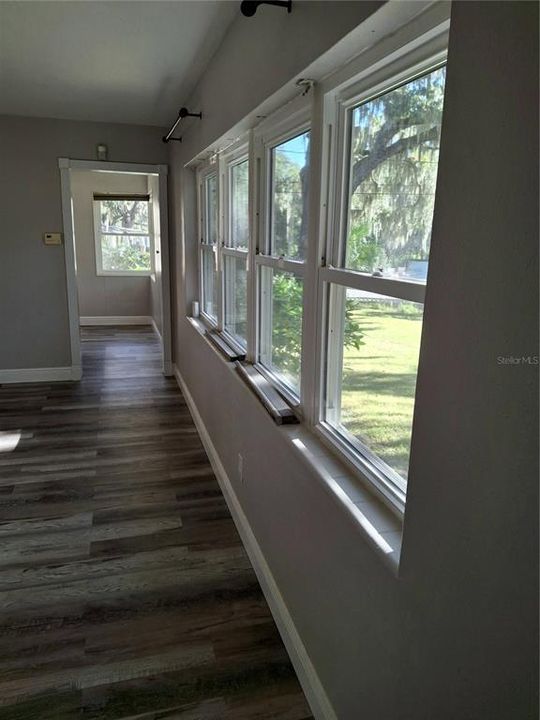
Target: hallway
(125,589)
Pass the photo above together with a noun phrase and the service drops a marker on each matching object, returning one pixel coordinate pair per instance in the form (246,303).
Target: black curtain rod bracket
(182,113)
(249,7)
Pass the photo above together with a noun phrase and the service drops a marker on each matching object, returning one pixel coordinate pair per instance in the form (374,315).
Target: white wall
(34,330)
(456,635)
(104,295)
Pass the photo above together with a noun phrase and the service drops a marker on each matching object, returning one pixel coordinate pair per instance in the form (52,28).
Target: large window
(375,291)
(282,256)
(123,235)
(328,304)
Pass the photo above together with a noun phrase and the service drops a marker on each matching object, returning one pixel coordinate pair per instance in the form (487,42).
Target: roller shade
(121,196)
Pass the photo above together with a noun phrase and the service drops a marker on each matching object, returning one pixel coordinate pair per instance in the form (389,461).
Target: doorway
(116,249)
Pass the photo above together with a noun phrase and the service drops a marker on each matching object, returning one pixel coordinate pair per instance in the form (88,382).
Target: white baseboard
(307,675)
(116,320)
(34,375)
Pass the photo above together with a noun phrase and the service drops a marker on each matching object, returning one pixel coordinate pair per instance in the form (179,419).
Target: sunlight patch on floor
(9,440)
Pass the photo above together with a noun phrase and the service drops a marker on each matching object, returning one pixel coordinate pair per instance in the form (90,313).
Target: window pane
(121,216)
(281,325)
(126,253)
(209,283)
(211,209)
(239,206)
(393,171)
(236,298)
(289,218)
(372,365)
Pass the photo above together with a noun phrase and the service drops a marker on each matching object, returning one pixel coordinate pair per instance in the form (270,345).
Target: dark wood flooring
(125,591)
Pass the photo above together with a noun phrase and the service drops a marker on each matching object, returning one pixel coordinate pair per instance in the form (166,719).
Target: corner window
(122,229)
(374,293)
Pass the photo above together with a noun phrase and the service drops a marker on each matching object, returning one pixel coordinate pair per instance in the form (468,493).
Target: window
(122,229)
(281,260)
(374,294)
(329,305)
(208,202)
(235,249)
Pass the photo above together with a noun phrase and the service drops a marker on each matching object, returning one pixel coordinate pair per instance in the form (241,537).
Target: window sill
(381,528)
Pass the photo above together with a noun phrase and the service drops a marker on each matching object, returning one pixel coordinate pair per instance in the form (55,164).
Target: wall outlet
(240,467)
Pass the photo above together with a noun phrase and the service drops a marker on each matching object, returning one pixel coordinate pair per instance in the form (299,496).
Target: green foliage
(287,324)
(124,257)
(362,248)
(121,215)
(394,156)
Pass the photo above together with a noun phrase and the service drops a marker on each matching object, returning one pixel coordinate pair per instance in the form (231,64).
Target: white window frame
(238,153)
(289,122)
(339,100)
(100,271)
(204,172)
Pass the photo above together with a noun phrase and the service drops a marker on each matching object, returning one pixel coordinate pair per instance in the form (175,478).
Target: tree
(394,153)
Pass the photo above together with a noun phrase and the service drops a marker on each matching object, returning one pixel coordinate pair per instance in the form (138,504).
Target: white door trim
(66,165)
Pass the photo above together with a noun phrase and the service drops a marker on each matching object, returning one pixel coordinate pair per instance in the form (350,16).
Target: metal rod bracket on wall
(182,113)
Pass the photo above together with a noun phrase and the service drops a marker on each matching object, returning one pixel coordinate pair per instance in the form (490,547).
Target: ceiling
(129,62)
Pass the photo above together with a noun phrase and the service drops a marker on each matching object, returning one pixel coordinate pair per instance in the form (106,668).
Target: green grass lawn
(379,379)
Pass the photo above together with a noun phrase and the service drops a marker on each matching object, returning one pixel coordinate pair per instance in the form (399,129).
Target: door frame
(66,165)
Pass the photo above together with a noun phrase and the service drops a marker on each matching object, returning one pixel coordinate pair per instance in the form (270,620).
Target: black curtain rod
(182,113)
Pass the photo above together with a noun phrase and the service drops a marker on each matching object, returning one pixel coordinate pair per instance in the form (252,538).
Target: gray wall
(104,295)
(456,635)
(34,330)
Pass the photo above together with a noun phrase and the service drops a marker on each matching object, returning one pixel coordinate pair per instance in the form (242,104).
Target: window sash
(228,299)
(340,114)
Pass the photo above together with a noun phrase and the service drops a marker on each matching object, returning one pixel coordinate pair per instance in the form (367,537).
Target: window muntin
(373,348)
(289,167)
(393,155)
(281,307)
(238,236)
(123,236)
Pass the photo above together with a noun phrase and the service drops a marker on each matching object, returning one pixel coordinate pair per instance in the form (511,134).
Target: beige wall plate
(52,238)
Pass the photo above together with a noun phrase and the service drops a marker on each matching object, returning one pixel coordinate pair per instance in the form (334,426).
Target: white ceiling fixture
(128,62)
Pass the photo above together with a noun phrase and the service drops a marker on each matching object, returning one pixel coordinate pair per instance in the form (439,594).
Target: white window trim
(100,272)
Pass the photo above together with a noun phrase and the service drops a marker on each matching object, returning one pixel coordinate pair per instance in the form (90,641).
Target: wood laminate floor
(125,591)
